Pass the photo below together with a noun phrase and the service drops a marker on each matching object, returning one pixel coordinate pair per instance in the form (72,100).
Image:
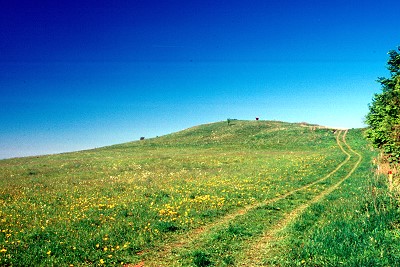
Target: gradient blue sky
(83,74)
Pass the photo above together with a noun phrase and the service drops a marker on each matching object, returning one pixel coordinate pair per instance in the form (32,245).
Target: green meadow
(251,193)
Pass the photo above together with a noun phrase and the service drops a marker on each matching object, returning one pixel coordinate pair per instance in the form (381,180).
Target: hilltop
(238,132)
(219,186)
(246,134)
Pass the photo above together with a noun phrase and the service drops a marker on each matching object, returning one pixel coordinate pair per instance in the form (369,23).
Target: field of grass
(204,196)
(357,225)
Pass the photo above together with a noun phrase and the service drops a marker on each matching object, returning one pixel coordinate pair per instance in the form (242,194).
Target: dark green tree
(383,119)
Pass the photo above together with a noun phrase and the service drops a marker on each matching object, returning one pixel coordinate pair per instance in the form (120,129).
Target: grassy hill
(199,197)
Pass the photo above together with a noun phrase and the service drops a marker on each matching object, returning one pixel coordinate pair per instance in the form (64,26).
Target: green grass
(357,225)
(123,203)
(224,245)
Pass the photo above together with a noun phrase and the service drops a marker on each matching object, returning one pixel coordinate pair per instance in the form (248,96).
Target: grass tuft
(201,259)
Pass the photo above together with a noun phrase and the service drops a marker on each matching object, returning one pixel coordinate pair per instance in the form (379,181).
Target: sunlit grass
(110,205)
(357,225)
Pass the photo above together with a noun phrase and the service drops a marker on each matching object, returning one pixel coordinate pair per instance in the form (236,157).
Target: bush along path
(245,237)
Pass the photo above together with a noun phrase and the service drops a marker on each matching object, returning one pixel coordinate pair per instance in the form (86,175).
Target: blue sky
(84,74)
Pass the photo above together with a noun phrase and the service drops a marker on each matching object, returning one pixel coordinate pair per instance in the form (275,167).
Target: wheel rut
(253,257)
(165,256)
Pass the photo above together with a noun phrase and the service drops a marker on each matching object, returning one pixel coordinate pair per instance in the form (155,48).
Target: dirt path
(164,256)
(253,256)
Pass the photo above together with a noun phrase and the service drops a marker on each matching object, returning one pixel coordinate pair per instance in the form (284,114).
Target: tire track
(163,256)
(253,257)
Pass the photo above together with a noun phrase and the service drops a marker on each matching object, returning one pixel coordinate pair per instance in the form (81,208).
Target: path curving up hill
(255,255)
(257,249)
(211,195)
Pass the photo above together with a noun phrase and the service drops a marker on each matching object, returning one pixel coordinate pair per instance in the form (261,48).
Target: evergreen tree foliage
(383,118)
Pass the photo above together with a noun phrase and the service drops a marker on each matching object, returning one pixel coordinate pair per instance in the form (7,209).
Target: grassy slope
(237,241)
(356,225)
(113,204)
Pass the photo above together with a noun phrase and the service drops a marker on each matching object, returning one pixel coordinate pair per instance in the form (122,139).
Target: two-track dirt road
(254,253)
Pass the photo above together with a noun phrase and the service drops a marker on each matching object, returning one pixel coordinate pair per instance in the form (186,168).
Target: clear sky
(84,74)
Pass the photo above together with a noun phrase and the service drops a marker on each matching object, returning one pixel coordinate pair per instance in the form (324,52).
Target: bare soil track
(164,256)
